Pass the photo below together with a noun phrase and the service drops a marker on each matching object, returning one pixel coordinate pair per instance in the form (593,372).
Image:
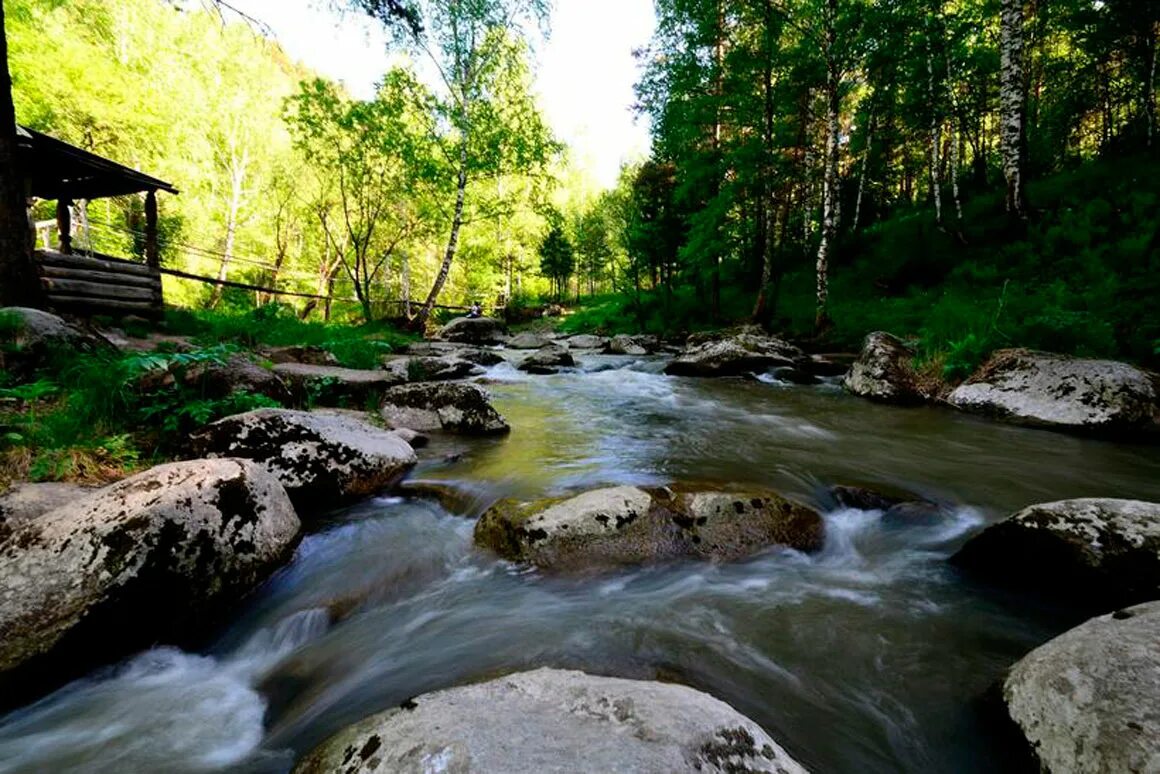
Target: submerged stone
(628,525)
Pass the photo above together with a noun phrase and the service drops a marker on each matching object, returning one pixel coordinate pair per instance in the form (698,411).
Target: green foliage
(557,257)
(276,325)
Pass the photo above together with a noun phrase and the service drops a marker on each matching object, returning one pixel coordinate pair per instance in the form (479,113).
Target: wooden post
(152,257)
(64,224)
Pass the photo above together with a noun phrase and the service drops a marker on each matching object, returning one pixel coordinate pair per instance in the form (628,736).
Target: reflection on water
(867,656)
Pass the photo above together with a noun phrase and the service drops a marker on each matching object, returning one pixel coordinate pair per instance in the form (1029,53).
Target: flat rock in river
(587,341)
(1089,700)
(551,720)
(333,386)
(442,406)
(432,369)
(734,356)
(319,458)
(1049,390)
(628,525)
(1103,551)
(145,560)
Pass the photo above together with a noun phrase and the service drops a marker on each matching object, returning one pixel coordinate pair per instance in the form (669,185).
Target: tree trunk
(1150,84)
(420,320)
(405,280)
(1012,107)
(237,183)
(935,127)
(865,166)
(19,284)
(830,207)
(763,306)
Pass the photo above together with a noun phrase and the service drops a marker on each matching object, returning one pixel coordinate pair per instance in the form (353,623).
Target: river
(869,656)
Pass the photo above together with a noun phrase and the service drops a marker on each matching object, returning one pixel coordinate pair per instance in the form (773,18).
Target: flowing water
(871,655)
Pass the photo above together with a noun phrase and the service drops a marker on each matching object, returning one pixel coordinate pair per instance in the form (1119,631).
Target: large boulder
(885,372)
(333,386)
(628,525)
(548,359)
(235,374)
(474,330)
(29,338)
(431,369)
(527,340)
(551,720)
(26,501)
(624,344)
(1048,390)
(734,356)
(151,558)
(319,458)
(587,341)
(442,406)
(1102,551)
(1089,700)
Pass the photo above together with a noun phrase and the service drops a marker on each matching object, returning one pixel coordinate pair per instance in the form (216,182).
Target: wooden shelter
(90,283)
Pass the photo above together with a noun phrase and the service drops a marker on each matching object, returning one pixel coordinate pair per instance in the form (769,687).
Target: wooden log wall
(101,284)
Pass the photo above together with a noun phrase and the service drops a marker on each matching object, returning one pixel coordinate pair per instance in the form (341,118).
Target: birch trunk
(452,241)
(238,164)
(935,127)
(1012,106)
(830,205)
(865,166)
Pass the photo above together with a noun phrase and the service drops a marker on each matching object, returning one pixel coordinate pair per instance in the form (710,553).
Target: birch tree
(1012,106)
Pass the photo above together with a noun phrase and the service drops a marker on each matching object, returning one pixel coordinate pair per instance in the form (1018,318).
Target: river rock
(478,355)
(32,336)
(474,330)
(548,359)
(1048,390)
(1089,700)
(527,340)
(1102,551)
(25,501)
(432,369)
(333,386)
(885,372)
(635,346)
(734,356)
(628,525)
(587,341)
(319,458)
(300,354)
(218,378)
(442,406)
(551,720)
(147,559)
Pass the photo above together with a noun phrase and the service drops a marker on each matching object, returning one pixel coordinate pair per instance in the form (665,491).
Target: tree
(378,172)
(19,285)
(1013,111)
(557,257)
(478,50)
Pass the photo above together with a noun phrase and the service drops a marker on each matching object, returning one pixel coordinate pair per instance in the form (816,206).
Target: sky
(584,72)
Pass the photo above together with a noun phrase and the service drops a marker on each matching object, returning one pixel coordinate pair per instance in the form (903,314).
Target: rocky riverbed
(738,566)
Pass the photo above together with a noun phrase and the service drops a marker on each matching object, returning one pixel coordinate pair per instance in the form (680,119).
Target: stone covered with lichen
(139,561)
(554,720)
(1103,550)
(318,457)
(449,407)
(1089,700)
(628,525)
(1049,390)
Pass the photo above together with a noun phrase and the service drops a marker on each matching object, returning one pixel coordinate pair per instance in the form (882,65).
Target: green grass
(355,346)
